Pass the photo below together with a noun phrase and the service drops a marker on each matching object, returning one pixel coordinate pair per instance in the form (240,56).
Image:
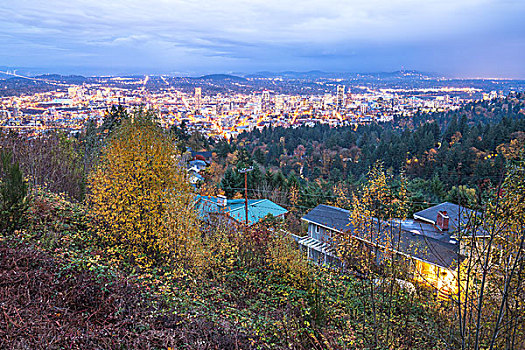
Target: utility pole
(245,171)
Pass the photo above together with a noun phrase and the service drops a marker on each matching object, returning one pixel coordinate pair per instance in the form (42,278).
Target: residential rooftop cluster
(429,241)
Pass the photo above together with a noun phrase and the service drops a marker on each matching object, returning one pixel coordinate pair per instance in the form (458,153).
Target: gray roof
(423,228)
(328,216)
(459,216)
(421,245)
(426,243)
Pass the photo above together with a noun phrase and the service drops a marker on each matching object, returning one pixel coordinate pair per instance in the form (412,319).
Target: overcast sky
(466,38)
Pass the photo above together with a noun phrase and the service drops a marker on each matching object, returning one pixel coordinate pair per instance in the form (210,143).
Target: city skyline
(469,38)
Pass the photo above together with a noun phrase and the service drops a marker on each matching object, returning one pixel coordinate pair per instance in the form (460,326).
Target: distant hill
(317,74)
(71,79)
(314,74)
(220,77)
(400,74)
(15,86)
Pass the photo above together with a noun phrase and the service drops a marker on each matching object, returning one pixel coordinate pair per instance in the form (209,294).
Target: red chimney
(442,220)
(222,201)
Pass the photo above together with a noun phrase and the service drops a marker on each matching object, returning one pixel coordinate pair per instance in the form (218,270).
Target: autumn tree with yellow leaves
(142,203)
(488,308)
(372,210)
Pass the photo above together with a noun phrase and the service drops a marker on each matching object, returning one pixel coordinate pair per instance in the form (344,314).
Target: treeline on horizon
(456,156)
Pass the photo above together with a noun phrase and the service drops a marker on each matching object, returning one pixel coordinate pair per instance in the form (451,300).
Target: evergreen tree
(13,194)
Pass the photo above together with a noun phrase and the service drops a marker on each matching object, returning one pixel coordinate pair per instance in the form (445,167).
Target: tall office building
(72,92)
(16,110)
(198,97)
(265,100)
(279,104)
(340,97)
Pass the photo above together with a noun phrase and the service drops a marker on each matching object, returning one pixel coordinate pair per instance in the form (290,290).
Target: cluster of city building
(223,114)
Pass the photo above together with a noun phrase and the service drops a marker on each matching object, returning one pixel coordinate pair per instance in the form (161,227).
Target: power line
(313,195)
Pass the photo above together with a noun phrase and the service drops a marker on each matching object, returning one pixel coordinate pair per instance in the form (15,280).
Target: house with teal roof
(234,209)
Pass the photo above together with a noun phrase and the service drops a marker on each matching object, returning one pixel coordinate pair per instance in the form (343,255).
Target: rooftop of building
(413,237)
(258,209)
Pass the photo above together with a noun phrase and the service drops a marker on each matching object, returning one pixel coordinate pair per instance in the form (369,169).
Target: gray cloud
(203,36)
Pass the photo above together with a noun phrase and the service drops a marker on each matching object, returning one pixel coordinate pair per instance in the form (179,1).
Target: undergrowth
(90,301)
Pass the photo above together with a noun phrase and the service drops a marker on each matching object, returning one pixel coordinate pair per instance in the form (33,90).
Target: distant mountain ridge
(72,79)
(317,74)
(220,77)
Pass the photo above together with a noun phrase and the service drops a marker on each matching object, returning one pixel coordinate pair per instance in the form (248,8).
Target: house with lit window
(428,240)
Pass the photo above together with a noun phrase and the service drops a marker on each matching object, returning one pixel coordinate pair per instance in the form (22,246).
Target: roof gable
(391,235)
(459,216)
